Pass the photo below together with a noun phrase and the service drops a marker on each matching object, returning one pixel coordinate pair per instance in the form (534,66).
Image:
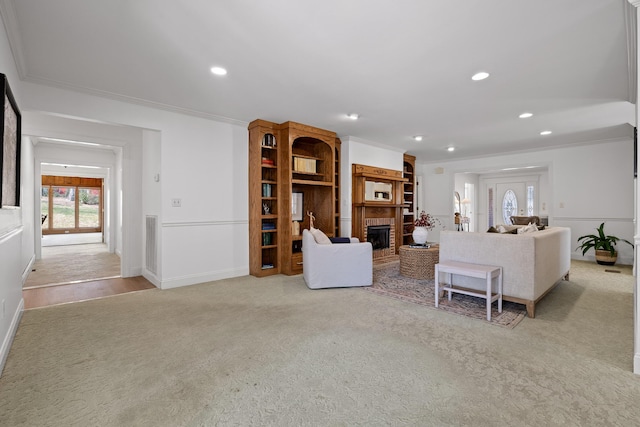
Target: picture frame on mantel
(11,133)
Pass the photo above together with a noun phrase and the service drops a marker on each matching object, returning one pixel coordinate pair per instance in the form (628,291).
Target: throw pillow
(319,236)
(340,239)
(492,229)
(528,228)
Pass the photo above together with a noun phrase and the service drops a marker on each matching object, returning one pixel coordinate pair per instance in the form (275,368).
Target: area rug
(388,282)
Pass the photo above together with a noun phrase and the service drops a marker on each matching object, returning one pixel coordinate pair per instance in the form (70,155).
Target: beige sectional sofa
(532,263)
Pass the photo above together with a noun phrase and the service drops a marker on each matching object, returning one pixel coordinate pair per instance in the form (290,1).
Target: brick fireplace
(385,252)
(377,202)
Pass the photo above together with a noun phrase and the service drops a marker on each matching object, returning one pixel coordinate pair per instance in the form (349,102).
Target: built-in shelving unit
(336,185)
(304,167)
(264,201)
(408,211)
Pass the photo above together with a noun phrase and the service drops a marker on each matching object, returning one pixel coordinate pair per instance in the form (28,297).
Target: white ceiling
(404,66)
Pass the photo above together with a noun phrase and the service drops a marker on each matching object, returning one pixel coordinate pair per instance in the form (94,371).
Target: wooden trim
(376,172)
(71,181)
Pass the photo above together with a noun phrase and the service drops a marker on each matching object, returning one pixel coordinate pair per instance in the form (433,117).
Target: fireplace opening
(378,236)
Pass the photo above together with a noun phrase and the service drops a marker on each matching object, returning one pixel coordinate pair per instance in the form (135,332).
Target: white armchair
(337,265)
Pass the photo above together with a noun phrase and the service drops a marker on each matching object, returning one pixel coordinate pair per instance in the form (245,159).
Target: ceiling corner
(10,21)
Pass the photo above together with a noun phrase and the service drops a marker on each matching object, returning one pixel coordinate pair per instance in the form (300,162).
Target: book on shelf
(301,164)
(268,226)
(267,266)
(267,161)
(266,239)
(268,140)
(266,190)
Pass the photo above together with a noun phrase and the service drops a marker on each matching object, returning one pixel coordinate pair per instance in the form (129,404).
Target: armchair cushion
(336,266)
(320,237)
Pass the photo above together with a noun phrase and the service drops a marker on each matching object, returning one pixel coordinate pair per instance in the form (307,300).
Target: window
(530,194)
(509,206)
(71,205)
(490,207)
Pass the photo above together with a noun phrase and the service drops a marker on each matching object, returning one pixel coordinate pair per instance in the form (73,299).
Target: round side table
(419,263)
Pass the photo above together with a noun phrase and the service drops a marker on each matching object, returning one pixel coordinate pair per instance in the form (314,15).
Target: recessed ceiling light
(480,76)
(418,137)
(525,115)
(451,149)
(545,132)
(353,116)
(218,71)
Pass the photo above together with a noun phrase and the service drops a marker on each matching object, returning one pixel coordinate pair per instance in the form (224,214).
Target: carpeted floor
(388,281)
(271,352)
(70,263)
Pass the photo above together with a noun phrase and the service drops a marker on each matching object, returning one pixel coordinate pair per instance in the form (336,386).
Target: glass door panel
(44,207)
(89,207)
(64,207)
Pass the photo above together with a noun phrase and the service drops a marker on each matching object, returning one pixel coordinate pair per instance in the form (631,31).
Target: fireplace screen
(378,236)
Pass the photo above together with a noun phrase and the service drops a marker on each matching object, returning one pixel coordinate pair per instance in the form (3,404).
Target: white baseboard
(27,271)
(151,277)
(636,364)
(8,339)
(178,282)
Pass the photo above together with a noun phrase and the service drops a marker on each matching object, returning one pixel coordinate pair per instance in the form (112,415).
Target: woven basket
(419,263)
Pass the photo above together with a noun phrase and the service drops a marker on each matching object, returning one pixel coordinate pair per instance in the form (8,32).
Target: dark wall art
(10,153)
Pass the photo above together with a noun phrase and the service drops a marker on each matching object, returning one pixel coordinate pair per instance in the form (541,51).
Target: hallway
(75,268)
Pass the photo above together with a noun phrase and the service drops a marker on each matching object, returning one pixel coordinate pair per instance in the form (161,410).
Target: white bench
(488,272)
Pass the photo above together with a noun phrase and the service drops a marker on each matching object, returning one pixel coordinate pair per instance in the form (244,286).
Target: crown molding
(634,3)
(10,21)
(133,100)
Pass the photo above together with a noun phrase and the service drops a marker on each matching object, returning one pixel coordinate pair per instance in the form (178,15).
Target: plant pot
(420,235)
(605,257)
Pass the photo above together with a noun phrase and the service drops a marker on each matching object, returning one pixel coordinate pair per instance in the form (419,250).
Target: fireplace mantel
(368,210)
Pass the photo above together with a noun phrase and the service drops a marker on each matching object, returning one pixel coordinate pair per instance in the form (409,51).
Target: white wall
(202,162)
(593,183)
(13,259)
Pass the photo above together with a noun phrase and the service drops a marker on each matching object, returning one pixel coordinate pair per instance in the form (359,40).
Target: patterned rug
(387,281)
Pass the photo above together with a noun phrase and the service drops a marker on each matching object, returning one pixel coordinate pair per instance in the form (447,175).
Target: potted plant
(422,225)
(604,246)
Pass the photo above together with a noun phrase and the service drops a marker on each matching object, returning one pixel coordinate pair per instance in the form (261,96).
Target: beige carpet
(64,264)
(271,352)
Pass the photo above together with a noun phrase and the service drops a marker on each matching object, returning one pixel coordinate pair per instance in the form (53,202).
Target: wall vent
(151,244)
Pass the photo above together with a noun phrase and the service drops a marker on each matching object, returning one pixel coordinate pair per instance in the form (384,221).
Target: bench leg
(489,297)
(437,283)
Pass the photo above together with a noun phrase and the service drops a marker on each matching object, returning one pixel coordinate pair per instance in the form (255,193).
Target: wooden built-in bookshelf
(305,159)
(409,209)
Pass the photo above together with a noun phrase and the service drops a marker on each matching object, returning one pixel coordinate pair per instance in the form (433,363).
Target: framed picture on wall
(297,206)
(10,153)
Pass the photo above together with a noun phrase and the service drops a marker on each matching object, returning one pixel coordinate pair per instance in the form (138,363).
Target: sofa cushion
(319,236)
(528,229)
(507,229)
